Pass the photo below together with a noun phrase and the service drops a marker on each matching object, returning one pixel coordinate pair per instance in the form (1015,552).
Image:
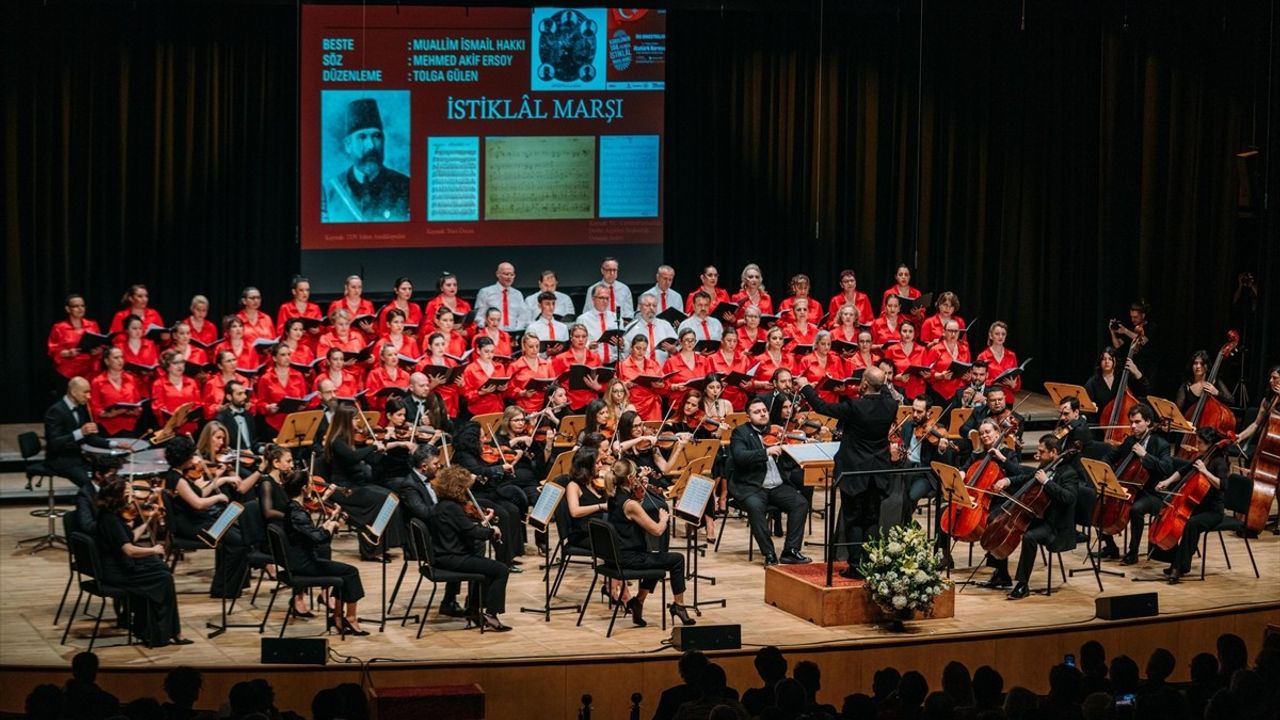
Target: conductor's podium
(801,590)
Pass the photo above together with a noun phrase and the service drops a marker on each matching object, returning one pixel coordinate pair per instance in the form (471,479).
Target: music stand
(817,460)
(1105,483)
(541,516)
(375,533)
(212,536)
(959,417)
(299,428)
(695,493)
(953,491)
(1061,391)
(1169,414)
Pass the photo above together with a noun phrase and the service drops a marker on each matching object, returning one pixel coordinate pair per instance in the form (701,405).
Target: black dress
(350,467)
(305,541)
(579,536)
(152,597)
(633,548)
(231,565)
(458,540)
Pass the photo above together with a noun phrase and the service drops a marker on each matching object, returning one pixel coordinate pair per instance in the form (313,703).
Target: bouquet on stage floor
(903,571)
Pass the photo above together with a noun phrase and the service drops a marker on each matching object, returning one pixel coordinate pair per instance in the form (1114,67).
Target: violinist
(173,390)
(800,287)
(905,356)
(84,518)
(418,501)
(352,466)
(989,445)
(1153,452)
(307,543)
(528,366)
(482,396)
(851,295)
(355,306)
(597,420)
(203,330)
(934,328)
(901,288)
(303,353)
(885,329)
(410,312)
(699,321)
(437,357)
(514,436)
(495,485)
(545,327)
(1205,515)
(400,440)
(943,381)
(136,303)
(751,292)
(635,441)
(864,445)
(235,415)
(275,384)
(344,338)
(801,330)
(139,568)
(578,354)
(773,359)
(686,413)
(64,341)
(301,307)
(999,358)
(686,364)
(196,502)
(647,399)
(448,298)
(257,324)
(922,442)
(492,329)
(273,503)
(458,532)
(628,517)
(996,407)
(235,341)
(586,497)
(396,334)
(219,459)
(728,360)
(758,484)
(388,374)
(599,319)
(1056,529)
(67,427)
(138,350)
(215,387)
(1197,384)
(113,386)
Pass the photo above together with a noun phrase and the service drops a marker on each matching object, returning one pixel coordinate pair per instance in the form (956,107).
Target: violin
(778,435)
(316,496)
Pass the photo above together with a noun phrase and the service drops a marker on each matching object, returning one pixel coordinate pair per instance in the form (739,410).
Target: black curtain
(1049,167)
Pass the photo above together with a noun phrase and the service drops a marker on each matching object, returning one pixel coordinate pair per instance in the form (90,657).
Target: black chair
(427,569)
(1236,497)
(732,502)
(286,579)
(29,446)
(88,569)
(410,556)
(605,563)
(67,522)
(564,554)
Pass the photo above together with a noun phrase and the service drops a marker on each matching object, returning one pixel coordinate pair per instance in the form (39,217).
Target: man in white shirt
(597,320)
(703,325)
(652,327)
(666,297)
(619,293)
(548,283)
(545,327)
(503,296)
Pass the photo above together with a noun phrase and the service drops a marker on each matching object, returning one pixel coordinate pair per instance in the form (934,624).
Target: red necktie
(706,331)
(663,297)
(613,306)
(551,325)
(652,346)
(506,320)
(602,331)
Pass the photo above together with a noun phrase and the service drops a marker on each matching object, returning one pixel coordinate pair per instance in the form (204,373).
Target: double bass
(1210,411)
(1166,530)
(1265,470)
(1117,410)
(1005,530)
(968,524)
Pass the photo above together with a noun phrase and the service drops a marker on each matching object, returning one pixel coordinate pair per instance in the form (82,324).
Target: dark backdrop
(1048,167)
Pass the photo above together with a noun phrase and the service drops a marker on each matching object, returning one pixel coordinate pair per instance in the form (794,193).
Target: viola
(1210,411)
(1166,530)
(1006,529)
(968,524)
(1118,408)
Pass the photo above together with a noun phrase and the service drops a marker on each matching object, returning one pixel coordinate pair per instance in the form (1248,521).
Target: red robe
(860,301)
(206,335)
(473,378)
(683,372)
(912,294)
(269,391)
(745,339)
(721,295)
(165,398)
(931,329)
(413,316)
(501,344)
(353,344)
(522,371)
(815,308)
(994,368)
(289,310)
(348,388)
(835,367)
(648,401)
(765,304)
(149,317)
(799,336)
(915,384)
(560,365)
(717,364)
(102,395)
(408,346)
(449,393)
(881,332)
(768,367)
(462,307)
(364,307)
(146,355)
(246,359)
(62,336)
(262,329)
(380,378)
(946,389)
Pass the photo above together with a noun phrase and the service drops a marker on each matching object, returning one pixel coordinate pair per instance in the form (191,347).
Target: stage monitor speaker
(457,702)
(295,651)
(1123,607)
(706,637)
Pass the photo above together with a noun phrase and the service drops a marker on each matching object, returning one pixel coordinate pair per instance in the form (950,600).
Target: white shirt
(591,320)
(695,323)
(541,329)
(662,330)
(621,298)
(564,304)
(673,298)
(491,297)
(772,477)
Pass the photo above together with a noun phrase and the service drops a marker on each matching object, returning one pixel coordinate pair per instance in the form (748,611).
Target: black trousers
(787,500)
(1146,504)
(673,563)
(1038,534)
(510,520)
(495,579)
(861,514)
(1197,525)
(74,469)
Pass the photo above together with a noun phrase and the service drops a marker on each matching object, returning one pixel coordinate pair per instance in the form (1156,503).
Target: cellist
(1208,513)
(989,444)
(1059,519)
(1153,452)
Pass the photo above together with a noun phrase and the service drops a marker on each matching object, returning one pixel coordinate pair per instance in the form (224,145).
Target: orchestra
(400,389)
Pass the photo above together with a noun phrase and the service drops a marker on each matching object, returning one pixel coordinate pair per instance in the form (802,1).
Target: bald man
(503,296)
(864,445)
(68,426)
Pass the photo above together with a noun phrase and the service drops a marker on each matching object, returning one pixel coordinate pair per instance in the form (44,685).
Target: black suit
(62,449)
(864,445)
(1158,462)
(746,484)
(227,418)
(458,540)
(1056,530)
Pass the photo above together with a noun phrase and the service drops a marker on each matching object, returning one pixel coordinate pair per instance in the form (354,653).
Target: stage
(541,669)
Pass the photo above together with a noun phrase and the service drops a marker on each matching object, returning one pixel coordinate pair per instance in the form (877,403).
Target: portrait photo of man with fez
(365,189)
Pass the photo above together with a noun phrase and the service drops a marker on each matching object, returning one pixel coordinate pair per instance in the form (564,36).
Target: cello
(1005,531)
(1209,410)
(1265,469)
(968,524)
(1111,514)
(1166,530)
(1118,408)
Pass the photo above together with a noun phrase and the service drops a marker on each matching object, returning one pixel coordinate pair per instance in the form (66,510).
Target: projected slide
(467,128)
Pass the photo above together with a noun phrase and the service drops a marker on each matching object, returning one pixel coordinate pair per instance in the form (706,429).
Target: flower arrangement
(902,571)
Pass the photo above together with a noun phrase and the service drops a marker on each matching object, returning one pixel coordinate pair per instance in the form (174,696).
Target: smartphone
(1125,700)
(1069,659)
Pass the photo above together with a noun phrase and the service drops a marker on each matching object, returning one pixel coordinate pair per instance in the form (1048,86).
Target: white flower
(921,576)
(899,602)
(894,549)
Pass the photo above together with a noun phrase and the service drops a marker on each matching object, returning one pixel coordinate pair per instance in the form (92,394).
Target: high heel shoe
(491,622)
(678,611)
(350,629)
(636,608)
